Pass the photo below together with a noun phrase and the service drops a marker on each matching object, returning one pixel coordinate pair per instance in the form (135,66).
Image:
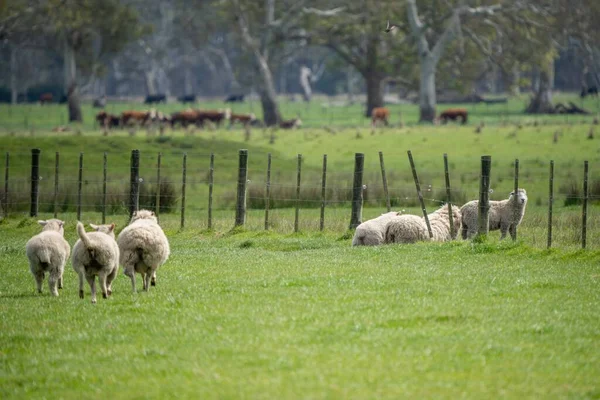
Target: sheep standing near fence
(412,228)
(48,252)
(505,215)
(143,247)
(96,254)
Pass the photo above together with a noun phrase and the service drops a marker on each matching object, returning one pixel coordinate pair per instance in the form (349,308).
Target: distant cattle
(290,123)
(235,98)
(135,117)
(185,118)
(380,114)
(244,119)
(155,98)
(453,114)
(46,98)
(188,98)
(214,116)
(589,91)
(99,102)
(107,120)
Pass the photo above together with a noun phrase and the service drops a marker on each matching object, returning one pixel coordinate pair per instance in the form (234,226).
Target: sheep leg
(146,280)
(131,273)
(503,230)
(39,279)
(60,282)
(153,280)
(102,279)
(80,284)
(513,231)
(53,277)
(92,282)
(110,278)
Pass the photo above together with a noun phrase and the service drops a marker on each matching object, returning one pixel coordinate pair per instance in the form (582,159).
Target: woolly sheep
(505,215)
(372,232)
(48,251)
(412,228)
(143,247)
(96,254)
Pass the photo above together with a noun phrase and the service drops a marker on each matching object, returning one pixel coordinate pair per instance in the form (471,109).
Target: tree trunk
(350,84)
(71,81)
(268,96)
(427,98)
(188,86)
(14,90)
(541,103)
(149,77)
(374,92)
(515,87)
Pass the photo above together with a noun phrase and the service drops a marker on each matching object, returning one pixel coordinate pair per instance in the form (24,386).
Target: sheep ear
(152,213)
(112,227)
(61,223)
(94,227)
(42,223)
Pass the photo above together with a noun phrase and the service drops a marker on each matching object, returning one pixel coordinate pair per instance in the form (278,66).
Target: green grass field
(250,313)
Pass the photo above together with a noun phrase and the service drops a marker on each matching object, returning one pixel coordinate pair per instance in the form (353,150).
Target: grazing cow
(137,117)
(244,119)
(591,91)
(454,114)
(290,123)
(107,120)
(216,117)
(155,98)
(46,98)
(235,98)
(185,118)
(188,98)
(99,102)
(380,114)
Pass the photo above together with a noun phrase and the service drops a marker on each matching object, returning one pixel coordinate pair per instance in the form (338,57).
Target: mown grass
(268,315)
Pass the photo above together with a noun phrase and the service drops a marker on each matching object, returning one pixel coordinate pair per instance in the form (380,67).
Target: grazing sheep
(48,251)
(144,247)
(412,228)
(505,215)
(372,232)
(96,254)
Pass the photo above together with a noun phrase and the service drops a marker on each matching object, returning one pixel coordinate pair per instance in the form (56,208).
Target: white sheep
(96,254)
(143,247)
(413,228)
(505,215)
(48,251)
(372,232)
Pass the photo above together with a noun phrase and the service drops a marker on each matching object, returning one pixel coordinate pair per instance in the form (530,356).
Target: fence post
(483,219)
(323,193)
(79,186)
(35,181)
(448,197)
(157,206)
(134,182)
(516,191)
(585,204)
(268,194)
(357,190)
(104,176)
(183,185)
(298,173)
(240,208)
(55,203)
(385,186)
(6,170)
(550,202)
(418,185)
(211,178)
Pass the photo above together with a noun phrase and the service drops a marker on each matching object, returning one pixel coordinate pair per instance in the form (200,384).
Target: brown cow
(454,114)
(214,116)
(290,123)
(107,120)
(244,119)
(46,98)
(380,114)
(185,118)
(137,117)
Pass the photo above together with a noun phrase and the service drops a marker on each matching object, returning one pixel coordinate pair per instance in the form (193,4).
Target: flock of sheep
(395,227)
(141,248)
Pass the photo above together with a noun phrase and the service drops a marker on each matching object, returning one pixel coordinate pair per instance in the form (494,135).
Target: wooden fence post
(268,192)
(6,175)
(448,197)
(483,218)
(298,175)
(134,182)
(104,177)
(323,193)
(516,191)
(55,202)
(550,202)
(357,190)
(35,181)
(418,185)
(211,182)
(585,205)
(79,186)
(157,201)
(240,208)
(183,185)
(385,185)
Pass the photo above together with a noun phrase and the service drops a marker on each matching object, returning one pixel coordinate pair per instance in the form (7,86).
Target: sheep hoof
(153,282)
(104,296)
(81,294)
(109,292)
(93,301)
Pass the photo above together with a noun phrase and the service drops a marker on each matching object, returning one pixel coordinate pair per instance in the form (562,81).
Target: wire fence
(278,193)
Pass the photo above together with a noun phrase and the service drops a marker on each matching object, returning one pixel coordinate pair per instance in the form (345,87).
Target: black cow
(100,102)
(591,91)
(235,98)
(155,98)
(188,98)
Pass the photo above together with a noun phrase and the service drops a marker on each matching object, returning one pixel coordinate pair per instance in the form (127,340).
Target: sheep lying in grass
(144,247)
(48,251)
(372,232)
(505,215)
(412,228)
(96,254)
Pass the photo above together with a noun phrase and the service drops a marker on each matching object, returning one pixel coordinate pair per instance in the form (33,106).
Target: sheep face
(53,225)
(107,229)
(521,196)
(144,214)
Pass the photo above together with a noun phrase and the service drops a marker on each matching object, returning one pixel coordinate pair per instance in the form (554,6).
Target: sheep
(48,251)
(412,228)
(371,232)
(96,254)
(143,247)
(505,215)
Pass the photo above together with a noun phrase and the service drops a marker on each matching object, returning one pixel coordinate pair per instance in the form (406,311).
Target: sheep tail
(140,254)
(85,239)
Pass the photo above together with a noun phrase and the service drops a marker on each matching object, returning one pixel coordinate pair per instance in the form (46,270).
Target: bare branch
(323,13)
